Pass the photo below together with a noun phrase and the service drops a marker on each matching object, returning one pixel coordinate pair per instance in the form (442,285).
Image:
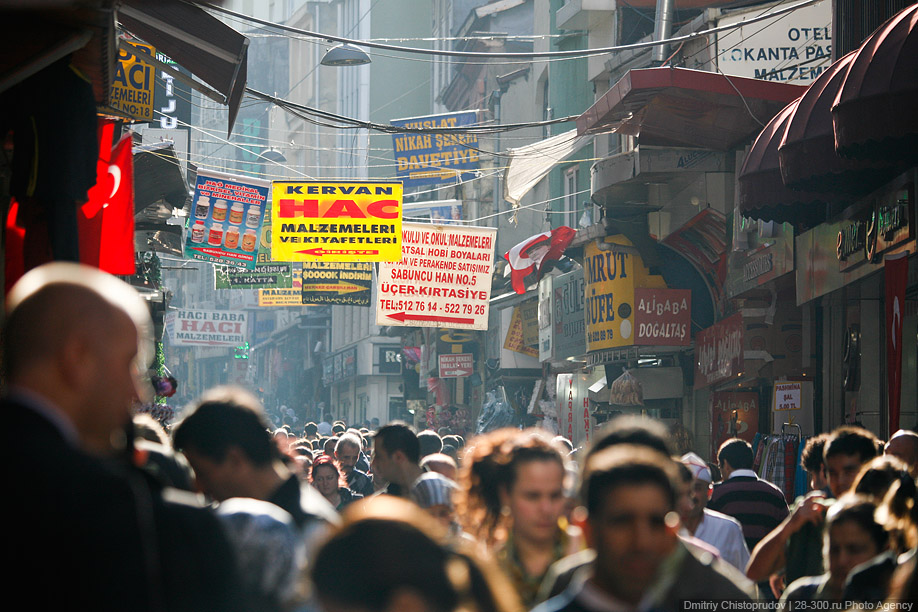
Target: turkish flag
(532,254)
(106,220)
(895,272)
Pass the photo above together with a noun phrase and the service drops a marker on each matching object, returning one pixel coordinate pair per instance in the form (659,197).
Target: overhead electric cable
(506,54)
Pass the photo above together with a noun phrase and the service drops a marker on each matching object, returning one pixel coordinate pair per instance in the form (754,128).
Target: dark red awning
(874,113)
(807,151)
(682,107)
(762,192)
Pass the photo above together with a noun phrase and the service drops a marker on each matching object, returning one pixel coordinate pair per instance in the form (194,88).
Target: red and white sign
(662,317)
(209,328)
(456,365)
(719,351)
(443,279)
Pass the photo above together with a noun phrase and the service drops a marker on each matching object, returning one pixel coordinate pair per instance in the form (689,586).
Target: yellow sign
(284,297)
(515,339)
(132,87)
(610,276)
(336,221)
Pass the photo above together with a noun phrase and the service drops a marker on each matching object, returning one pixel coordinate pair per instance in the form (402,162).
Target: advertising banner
(284,297)
(337,221)
(132,85)
(663,317)
(719,351)
(611,275)
(561,324)
(266,275)
(792,405)
(226,219)
(456,366)
(431,158)
(794,50)
(389,359)
(442,280)
(326,282)
(515,340)
(574,419)
(209,328)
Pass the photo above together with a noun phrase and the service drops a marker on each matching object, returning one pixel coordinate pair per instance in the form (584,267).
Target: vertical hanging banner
(132,85)
(226,218)
(895,276)
(337,221)
(442,280)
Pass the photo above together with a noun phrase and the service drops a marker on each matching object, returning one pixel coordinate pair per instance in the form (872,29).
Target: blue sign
(425,158)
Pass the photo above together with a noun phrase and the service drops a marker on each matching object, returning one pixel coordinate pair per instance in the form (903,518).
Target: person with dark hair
(311,430)
(401,563)
(327,478)
(794,546)
(347,453)
(338,428)
(640,563)
(904,445)
(396,453)
(757,504)
(877,475)
(811,461)
(512,499)
(429,442)
(329,444)
(628,429)
(852,537)
(226,440)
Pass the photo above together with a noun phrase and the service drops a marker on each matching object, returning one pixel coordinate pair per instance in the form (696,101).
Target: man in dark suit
(84,530)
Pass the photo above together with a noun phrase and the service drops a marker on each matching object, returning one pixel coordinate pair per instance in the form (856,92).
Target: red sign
(895,272)
(662,317)
(456,365)
(733,415)
(719,351)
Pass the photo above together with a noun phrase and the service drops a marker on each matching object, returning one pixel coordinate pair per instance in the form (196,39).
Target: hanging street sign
(343,283)
(442,280)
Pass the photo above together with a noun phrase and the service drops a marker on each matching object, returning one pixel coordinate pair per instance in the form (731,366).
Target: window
(571,208)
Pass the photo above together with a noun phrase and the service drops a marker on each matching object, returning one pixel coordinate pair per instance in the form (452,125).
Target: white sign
(443,279)
(791,48)
(787,396)
(792,407)
(575,422)
(209,328)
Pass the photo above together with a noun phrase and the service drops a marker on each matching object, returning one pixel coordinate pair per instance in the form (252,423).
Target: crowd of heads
(392,519)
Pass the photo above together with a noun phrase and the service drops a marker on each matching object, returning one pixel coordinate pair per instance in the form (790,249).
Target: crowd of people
(226,512)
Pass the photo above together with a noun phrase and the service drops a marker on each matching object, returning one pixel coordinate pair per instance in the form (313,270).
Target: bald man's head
(904,445)
(78,337)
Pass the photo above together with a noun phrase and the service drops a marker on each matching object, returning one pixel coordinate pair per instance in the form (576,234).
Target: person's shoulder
(803,589)
(722,520)
(720,579)
(565,601)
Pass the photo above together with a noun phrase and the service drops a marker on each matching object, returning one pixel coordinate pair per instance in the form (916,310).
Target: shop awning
(874,113)
(158,176)
(682,107)
(762,192)
(530,163)
(807,152)
(211,50)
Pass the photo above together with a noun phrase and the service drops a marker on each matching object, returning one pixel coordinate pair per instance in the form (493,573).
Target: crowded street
(460,305)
